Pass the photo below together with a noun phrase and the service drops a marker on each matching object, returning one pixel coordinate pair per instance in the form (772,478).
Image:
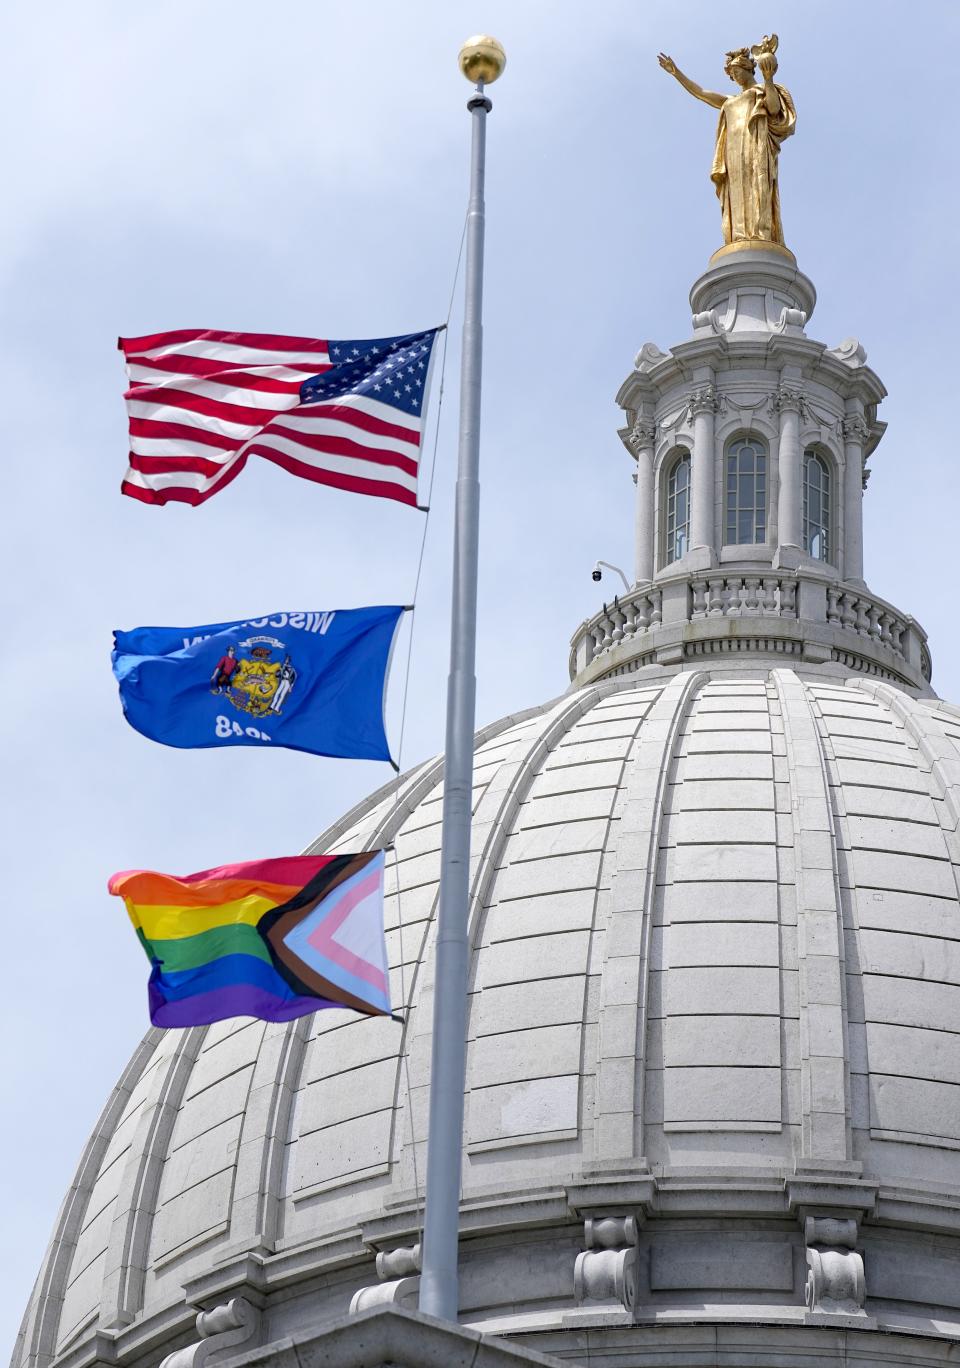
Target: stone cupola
(751,442)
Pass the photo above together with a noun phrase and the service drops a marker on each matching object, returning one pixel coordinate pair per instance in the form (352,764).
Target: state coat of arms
(256,676)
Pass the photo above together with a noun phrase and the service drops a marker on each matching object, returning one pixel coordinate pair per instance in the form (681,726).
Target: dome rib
(126,1263)
(494,819)
(624,985)
(40,1333)
(824,1054)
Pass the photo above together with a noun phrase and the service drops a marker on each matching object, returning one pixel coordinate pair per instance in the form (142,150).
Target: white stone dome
(715,988)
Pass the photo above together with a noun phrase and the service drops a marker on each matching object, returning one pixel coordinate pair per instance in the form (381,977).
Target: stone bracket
(227,1326)
(399,1273)
(607,1268)
(836,1284)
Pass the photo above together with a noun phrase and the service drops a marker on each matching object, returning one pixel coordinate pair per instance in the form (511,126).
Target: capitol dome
(713,1081)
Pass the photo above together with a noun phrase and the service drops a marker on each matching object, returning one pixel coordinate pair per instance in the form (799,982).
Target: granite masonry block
(706,943)
(338,1151)
(545,810)
(539,1052)
(536,1107)
(722,990)
(904,1002)
(722,1040)
(722,862)
(723,826)
(696,794)
(916,1106)
(368,1088)
(724,1094)
(537,957)
(910,956)
(520,917)
(890,834)
(905,1050)
(878,869)
(734,763)
(554,874)
(720,900)
(742,742)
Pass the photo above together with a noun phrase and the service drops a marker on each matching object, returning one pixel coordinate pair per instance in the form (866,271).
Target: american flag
(348,414)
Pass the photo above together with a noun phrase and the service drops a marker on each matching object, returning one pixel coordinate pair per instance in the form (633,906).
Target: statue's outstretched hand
(767,63)
(668,64)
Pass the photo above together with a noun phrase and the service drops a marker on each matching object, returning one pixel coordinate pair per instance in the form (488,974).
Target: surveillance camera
(596,575)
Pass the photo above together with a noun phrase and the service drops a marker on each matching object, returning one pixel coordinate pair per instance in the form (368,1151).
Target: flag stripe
(173,363)
(355,484)
(239,1000)
(175,921)
(188,952)
(363,454)
(262,379)
(180,337)
(155,401)
(175,432)
(201,402)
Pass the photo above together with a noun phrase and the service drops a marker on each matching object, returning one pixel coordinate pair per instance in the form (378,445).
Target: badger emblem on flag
(255,675)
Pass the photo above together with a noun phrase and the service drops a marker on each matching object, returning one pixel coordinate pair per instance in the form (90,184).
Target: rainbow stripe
(273,939)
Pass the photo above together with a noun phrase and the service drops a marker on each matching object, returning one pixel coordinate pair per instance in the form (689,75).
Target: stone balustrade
(792,612)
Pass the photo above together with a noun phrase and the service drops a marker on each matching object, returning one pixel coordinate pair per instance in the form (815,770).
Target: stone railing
(786,612)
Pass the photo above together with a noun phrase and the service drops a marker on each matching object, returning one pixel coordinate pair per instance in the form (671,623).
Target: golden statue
(752,125)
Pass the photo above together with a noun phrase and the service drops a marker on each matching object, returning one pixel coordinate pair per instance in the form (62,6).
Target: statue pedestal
(776,248)
(751,288)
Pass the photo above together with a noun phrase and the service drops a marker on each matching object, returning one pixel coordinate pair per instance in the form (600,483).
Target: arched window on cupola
(745,501)
(677,509)
(817,541)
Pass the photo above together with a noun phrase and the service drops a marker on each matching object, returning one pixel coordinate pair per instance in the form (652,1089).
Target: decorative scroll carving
(398,1263)
(790,318)
(643,434)
(850,351)
(855,428)
(607,1269)
(649,356)
(399,1285)
(709,318)
(397,1292)
(835,1277)
(225,1327)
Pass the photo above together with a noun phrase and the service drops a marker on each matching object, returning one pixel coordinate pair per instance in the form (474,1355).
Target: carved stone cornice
(642,436)
(704,400)
(855,428)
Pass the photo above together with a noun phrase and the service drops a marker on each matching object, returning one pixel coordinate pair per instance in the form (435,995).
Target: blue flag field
(308,681)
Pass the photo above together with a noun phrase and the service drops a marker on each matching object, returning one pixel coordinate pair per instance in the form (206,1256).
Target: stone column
(854,437)
(642,437)
(703,407)
(789,401)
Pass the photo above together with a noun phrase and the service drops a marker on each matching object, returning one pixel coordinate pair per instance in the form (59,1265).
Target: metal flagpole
(482,59)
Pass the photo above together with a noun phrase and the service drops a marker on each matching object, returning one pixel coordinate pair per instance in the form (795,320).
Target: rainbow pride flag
(273,939)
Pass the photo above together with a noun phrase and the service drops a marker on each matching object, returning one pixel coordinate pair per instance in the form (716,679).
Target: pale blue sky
(302,169)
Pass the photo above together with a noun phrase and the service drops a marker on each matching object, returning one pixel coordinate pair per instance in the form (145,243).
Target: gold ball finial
(482,58)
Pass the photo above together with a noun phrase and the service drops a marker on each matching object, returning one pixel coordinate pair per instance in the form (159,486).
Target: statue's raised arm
(752,125)
(710,97)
